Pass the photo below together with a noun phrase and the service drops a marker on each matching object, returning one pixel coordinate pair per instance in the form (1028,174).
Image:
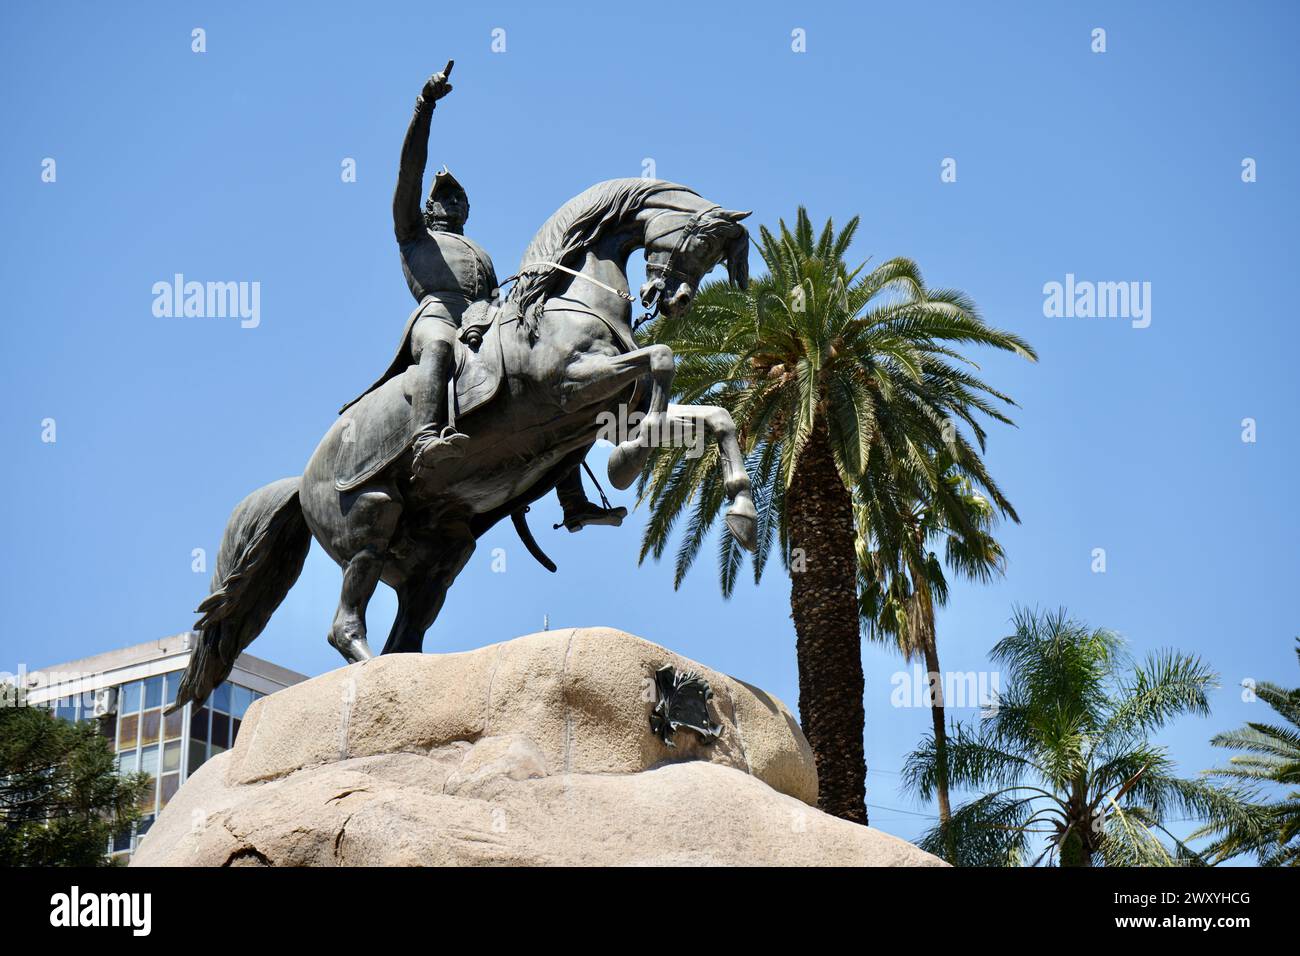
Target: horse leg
(595,378)
(371,521)
(420,596)
(741,517)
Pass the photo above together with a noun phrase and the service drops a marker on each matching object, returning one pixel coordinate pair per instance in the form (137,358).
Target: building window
(122,841)
(171,761)
(199,725)
(128,731)
(149,765)
(173,684)
(220,732)
(150,723)
(241,698)
(153,688)
(172,724)
(198,754)
(128,698)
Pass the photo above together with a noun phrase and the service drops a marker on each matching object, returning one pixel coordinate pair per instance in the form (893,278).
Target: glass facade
(167,747)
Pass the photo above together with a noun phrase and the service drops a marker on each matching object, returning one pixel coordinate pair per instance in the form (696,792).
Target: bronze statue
(534,375)
(446,272)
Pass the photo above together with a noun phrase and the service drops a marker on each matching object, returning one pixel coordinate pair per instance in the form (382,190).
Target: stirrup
(433,445)
(593,514)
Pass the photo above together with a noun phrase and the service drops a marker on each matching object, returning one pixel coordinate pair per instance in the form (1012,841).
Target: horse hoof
(354,650)
(744,528)
(742,521)
(625,463)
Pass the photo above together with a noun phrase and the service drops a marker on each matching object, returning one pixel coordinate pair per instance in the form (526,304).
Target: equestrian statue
(491,403)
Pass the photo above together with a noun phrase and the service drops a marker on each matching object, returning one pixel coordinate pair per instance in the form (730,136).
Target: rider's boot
(435,439)
(578,510)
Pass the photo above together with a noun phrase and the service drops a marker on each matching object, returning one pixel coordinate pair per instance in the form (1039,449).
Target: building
(126,692)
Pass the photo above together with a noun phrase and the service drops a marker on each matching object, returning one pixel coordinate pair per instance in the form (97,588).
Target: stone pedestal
(531,752)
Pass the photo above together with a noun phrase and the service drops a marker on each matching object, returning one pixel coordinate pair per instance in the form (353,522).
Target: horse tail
(262,553)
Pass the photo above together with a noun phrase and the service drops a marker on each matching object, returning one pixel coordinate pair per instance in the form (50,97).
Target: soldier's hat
(445,184)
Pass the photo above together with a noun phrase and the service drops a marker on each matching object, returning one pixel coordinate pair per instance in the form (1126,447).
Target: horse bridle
(688,229)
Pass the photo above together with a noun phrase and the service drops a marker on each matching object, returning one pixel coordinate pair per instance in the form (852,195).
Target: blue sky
(1116,166)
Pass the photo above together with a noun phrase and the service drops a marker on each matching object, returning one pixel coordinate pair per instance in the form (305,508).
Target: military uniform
(444,270)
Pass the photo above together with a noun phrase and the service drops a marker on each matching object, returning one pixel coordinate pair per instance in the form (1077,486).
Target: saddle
(378,428)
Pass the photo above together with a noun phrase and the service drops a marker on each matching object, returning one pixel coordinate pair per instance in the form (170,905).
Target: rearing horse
(534,381)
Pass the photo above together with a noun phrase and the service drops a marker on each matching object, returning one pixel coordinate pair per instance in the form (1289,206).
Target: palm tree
(901,582)
(1066,754)
(834,376)
(1272,756)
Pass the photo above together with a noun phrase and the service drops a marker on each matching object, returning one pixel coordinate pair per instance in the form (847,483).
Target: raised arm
(408,216)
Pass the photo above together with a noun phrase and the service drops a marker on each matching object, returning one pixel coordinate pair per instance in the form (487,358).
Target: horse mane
(577,224)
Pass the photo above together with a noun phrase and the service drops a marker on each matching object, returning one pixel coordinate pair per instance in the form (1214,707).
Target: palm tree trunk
(824,606)
(926,637)
(1076,846)
(1074,850)
(940,739)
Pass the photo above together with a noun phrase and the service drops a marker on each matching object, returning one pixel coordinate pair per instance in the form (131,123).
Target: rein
(625,339)
(626,296)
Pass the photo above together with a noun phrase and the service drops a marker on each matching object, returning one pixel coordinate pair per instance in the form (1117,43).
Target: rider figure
(446,272)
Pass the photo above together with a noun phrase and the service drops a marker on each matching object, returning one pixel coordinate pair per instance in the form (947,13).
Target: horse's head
(682,247)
